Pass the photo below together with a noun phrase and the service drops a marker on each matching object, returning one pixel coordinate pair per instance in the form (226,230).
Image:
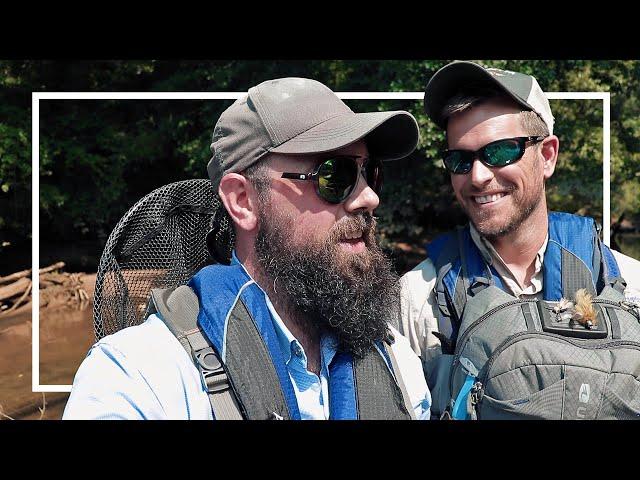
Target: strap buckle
(478,284)
(446,415)
(211,370)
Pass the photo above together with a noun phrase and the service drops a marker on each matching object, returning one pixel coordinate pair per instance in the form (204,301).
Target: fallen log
(15,276)
(21,299)
(27,273)
(16,288)
(51,268)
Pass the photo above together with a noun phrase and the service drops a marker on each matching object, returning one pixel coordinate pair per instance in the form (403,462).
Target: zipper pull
(477,392)
(469,367)
(631,307)
(475,396)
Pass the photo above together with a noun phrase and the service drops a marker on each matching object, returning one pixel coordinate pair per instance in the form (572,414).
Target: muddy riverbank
(66,333)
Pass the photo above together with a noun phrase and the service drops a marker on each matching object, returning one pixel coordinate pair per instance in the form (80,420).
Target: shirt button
(297,350)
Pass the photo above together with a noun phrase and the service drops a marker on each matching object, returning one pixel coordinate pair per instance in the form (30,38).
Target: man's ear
(549,150)
(238,196)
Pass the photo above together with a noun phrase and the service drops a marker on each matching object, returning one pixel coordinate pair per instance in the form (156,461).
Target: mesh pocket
(159,243)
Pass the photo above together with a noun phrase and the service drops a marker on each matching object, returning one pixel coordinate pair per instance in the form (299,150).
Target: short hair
(259,178)
(531,122)
(222,227)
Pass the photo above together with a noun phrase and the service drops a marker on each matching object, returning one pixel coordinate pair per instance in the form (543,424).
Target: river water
(66,334)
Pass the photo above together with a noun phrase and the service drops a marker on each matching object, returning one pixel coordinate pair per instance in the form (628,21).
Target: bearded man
(298,325)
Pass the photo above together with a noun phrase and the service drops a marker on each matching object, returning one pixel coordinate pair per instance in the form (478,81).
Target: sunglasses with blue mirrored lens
(336,177)
(495,154)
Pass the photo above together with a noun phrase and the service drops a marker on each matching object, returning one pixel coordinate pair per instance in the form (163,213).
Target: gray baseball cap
(454,77)
(302,116)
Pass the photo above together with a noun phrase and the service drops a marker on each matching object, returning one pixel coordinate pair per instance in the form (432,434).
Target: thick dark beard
(354,296)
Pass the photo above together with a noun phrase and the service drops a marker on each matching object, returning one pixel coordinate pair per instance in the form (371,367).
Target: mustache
(481,191)
(359,224)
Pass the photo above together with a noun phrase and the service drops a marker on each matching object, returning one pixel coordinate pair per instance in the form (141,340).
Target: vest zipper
(476,394)
(556,338)
(479,386)
(630,307)
(626,306)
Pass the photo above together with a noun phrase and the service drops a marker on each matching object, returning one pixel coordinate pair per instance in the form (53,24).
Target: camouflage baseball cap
(454,77)
(302,116)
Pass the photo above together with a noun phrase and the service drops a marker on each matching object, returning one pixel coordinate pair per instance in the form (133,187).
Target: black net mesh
(159,243)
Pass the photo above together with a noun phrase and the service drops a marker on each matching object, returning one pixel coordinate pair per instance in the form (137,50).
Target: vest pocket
(546,376)
(621,399)
(546,403)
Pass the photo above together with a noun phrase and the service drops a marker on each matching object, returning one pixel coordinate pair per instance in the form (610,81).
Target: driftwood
(27,273)
(51,268)
(21,299)
(15,276)
(16,288)
(50,278)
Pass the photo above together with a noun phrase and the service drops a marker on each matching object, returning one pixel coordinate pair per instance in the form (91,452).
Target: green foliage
(15,176)
(98,157)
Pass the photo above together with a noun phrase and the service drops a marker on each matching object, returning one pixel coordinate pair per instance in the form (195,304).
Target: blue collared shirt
(312,392)
(142,372)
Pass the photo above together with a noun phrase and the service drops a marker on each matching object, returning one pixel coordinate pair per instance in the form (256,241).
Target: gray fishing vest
(222,321)
(510,358)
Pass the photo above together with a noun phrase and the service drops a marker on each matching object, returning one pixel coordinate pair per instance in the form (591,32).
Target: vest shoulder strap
(178,308)
(445,255)
(252,368)
(400,381)
(458,274)
(610,270)
(379,396)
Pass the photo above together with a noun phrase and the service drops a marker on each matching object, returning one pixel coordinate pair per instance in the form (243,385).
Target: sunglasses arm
(298,176)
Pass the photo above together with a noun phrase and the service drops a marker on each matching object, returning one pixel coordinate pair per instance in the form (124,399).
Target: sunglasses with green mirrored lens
(495,154)
(336,177)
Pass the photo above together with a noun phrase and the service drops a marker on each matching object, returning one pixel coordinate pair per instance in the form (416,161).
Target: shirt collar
(492,257)
(329,347)
(234,259)
(490,254)
(289,345)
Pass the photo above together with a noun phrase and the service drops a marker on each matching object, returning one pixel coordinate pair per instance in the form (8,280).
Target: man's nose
(480,173)
(362,198)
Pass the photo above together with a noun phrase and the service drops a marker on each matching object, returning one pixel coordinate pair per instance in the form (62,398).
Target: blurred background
(98,157)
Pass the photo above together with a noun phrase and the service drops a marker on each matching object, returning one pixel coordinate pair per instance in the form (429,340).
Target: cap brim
(451,79)
(389,135)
